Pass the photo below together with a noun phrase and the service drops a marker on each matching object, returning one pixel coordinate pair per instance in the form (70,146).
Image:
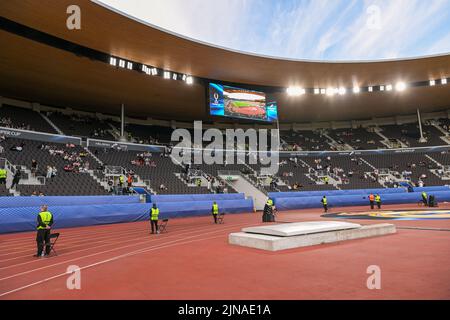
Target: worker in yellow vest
(378,201)
(121,180)
(154,217)
(324,203)
(3,175)
(44,223)
(215,211)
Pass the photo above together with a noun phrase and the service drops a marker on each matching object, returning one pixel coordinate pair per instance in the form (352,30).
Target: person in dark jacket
(44,224)
(16,177)
(268,213)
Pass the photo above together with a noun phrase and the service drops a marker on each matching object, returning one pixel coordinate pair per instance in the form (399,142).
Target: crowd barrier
(196,197)
(297,194)
(291,203)
(431,189)
(80,211)
(24,218)
(26,201)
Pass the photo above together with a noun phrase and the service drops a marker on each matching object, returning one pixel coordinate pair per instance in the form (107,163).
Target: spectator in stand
(18,148)
(49,172)
(34,166)
(16,177)
(129,180)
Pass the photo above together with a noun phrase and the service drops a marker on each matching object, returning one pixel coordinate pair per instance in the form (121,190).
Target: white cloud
(308,29)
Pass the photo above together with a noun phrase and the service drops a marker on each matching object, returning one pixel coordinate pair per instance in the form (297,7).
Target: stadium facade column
(421,139)
(122,123)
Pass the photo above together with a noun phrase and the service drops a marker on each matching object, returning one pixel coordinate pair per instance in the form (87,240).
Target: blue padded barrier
(24,219)
(26,201)
(140,190)
(296,194)
(197,197)
(17,219)
(354,200)
(198,208)
(431,189)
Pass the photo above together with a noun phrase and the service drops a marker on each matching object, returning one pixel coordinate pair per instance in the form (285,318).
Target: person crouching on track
(154,217)
(215,211)
(268,215)
(371,200)
(324,203)
(425,198)
(378,201)
(45,221)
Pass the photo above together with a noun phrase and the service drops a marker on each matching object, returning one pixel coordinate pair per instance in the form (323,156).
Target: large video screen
(240,103)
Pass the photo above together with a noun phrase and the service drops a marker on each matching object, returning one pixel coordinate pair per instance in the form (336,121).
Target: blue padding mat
(16,219)
(335,192)
(197,197)
(354,200)
(431,189)
(24,219)
(8,202)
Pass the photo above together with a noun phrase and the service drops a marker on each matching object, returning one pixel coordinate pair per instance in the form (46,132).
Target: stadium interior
(80,110)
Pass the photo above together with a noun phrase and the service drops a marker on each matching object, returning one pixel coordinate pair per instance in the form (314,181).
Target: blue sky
(306,29)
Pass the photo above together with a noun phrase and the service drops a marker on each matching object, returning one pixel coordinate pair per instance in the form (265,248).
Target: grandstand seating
(21,118)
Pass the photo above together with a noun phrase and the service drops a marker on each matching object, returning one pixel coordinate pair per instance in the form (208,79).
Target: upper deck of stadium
(92,85)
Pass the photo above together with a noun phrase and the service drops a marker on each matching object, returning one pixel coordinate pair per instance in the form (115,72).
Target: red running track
(194,261)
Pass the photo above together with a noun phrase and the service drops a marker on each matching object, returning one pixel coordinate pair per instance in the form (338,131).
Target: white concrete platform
(299,228)
(276,243)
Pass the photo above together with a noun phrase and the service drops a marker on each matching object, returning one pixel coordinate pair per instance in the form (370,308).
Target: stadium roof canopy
(38,70)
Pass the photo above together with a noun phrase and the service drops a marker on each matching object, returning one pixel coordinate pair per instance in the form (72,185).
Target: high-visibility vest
(377,198)
(424,195)
(154,214)
(46,217)
(371,197)
(324,201)
(121,178)
(215,208)
(3,173)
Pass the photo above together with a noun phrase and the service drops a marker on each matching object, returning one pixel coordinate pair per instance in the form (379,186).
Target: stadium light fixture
(122,63)
(166,75)
(432,83)
(400,86)
(342,91)
(331,91)
(174,76)
(144,68)
(323,91)
(444,81)
(129,65)
(189,80)
(316,90)
(370,89)
(381,88)
(295,91)
(154,71)
(356,89)
(112,61)
(389,87)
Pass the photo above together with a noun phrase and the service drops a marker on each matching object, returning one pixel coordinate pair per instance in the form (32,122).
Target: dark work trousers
(215,217)
(3,181)
(425,202)
(371,204)
(325,208)
(15,182)
(379,204)
(43,236)
(154,225)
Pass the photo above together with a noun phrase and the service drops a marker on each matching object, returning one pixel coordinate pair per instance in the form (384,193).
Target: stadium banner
(38,136)
(124,146)
(362,152)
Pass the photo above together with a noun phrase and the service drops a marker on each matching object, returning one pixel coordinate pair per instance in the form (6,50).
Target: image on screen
(240,103)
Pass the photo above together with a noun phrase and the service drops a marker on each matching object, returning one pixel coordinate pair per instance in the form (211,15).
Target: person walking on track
(44,223)
(324,203)
(215,211)
(378,201)
(154,217)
